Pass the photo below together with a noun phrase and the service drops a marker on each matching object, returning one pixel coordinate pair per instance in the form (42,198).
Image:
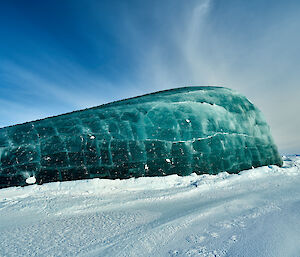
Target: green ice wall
(178,131)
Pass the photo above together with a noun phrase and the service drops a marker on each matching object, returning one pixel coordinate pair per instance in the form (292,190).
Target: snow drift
(254,213)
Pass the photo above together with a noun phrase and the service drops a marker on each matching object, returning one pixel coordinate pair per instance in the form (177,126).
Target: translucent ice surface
(178,131)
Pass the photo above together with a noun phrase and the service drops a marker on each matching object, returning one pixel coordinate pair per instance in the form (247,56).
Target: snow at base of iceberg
(254,213)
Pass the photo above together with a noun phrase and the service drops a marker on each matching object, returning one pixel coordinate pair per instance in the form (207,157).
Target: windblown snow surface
(254,213)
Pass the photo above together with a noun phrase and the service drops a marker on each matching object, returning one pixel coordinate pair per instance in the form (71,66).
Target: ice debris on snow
(30,180)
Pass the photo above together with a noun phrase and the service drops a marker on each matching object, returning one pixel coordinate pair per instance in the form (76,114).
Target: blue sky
(59,56)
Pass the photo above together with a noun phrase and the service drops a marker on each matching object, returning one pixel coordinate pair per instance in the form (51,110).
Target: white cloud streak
(266,69)
(180,45)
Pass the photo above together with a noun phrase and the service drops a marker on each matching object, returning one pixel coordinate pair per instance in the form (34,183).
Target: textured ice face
(178,131)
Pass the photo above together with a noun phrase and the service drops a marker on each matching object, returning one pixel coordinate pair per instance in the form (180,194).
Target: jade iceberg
(177,131)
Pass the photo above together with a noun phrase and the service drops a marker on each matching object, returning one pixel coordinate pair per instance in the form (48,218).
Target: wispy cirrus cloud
(88,57)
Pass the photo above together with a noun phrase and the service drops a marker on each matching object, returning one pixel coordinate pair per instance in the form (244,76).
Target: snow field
(253,213)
